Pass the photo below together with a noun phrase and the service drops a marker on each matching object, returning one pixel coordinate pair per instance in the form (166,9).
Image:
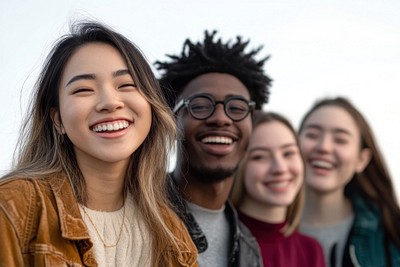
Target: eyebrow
(335,130)
(91,76)
(121,73)
(269,150)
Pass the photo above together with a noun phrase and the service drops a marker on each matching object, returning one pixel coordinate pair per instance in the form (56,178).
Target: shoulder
(367,217)
(19,196)
(186,255)
(306,240)
(248,247)
(18,202)
(310,249)
(364,207)
(16,189)
(308,244)
(243,233)
(244,247)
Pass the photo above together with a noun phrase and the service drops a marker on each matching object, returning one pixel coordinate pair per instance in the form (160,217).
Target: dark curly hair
(215,56)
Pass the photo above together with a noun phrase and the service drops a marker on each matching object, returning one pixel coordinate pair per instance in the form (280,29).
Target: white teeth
(217,140)
(322,164)
(111,126)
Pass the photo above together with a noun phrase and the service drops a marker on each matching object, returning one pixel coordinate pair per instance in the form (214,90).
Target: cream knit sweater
(133,249)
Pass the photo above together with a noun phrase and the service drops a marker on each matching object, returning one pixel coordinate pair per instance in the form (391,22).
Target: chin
(208,174)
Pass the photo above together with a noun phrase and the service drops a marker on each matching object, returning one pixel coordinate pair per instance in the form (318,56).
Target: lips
(280,186)
(321,164)
(111,126)
(217,143)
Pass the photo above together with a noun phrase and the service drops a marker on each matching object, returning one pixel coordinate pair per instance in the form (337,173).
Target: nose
(324,144)
(278,165)
(219,116)
(109,100)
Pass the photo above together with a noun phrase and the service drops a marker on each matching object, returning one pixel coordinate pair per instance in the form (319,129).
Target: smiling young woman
(268,194)
(351,206)
(88,187)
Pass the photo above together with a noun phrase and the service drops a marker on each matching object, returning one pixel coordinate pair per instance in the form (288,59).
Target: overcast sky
(317,48)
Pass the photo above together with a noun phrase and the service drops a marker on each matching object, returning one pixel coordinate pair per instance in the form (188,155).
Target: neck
(104,186)
(262,212)
(326,208)
(207,195)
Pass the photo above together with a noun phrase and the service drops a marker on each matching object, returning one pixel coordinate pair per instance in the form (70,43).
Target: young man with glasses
(213,88)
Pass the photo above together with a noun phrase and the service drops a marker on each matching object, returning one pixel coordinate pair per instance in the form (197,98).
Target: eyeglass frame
(185,102)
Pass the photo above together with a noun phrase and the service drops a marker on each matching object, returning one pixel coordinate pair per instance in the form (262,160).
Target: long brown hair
(293,214)
(374,182)
(43,152)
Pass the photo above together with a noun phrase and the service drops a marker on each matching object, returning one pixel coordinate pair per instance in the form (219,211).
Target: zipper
(353,257)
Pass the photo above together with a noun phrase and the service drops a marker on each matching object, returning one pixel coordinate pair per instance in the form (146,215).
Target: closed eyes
(82,90)
(128,85)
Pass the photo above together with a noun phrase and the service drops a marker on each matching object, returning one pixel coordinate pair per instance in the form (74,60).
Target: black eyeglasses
(202,106)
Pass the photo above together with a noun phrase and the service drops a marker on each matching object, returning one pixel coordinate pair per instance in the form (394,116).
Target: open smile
(217,140)
(111,126)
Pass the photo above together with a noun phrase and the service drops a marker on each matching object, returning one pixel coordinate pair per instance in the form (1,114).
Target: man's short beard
(208,175)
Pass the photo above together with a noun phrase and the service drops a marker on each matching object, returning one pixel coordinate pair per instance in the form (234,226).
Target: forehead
(219,85)
(271,135)
(331,118)
(96,58)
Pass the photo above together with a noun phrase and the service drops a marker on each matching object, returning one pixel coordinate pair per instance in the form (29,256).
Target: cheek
(255,172)
(245,133)
(187,125)
(297,167)
(71,111)
(246,127)
(297,171)
(70,117)
(146,111)
(139,103)
(254,175)
(249,181)
(306,145)
(349,158)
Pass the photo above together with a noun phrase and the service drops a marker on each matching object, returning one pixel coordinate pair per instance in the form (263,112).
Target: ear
(55,117)
(365,158)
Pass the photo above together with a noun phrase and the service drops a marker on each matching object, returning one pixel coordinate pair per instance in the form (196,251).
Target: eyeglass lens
(203,107)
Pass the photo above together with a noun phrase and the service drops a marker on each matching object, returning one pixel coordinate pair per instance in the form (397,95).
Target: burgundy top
(277,250)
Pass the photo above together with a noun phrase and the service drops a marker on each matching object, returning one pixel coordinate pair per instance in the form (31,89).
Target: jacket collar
(233,220)
(367,215)
(72,225)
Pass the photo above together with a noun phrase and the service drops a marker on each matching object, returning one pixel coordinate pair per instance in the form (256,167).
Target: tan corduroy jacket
(40,225)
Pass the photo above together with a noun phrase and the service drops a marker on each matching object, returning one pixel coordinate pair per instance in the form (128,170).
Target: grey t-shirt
(215,226)
(332,238)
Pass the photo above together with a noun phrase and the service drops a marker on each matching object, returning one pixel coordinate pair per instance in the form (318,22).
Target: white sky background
(317,48)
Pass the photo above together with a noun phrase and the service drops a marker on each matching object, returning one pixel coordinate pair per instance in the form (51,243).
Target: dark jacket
(368,244)
(244,250)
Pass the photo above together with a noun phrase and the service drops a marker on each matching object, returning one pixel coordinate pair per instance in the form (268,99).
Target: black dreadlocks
(215,56)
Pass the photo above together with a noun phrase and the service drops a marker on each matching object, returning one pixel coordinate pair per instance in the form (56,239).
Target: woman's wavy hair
(44,152)
(213,55)
(374,182)
(293,214)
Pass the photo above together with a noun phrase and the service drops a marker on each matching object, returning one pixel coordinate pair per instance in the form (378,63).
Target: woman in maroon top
(268,193)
